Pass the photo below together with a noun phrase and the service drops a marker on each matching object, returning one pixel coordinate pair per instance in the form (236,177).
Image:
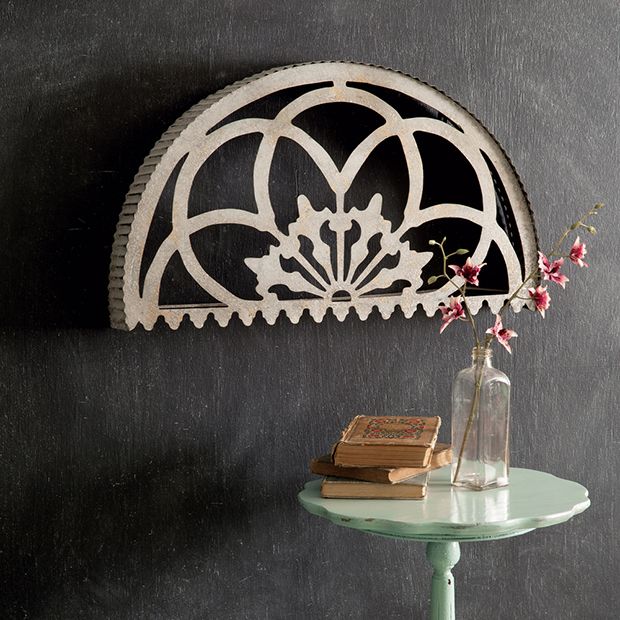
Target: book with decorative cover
(323,466)
(387,441)
(341,488)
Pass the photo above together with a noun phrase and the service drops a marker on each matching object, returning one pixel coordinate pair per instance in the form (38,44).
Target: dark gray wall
(153,475)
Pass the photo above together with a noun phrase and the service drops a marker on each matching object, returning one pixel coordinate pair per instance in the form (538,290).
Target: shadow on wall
(74,158)
(95,547)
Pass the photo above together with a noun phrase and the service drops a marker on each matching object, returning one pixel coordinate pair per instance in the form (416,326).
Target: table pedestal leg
(442,556)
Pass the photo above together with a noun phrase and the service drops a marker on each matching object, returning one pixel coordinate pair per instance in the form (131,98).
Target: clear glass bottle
(480,424)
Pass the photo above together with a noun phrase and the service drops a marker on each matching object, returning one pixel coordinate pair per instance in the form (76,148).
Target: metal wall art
(311,188)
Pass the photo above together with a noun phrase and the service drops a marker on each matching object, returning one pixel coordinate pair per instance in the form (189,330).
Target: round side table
(448,516)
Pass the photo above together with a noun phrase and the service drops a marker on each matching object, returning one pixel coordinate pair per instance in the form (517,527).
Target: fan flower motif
(342,271)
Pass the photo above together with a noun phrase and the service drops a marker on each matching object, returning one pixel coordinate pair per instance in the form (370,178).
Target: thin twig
(470,420)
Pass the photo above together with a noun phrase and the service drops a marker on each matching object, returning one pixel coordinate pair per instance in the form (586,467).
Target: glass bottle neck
(481,356)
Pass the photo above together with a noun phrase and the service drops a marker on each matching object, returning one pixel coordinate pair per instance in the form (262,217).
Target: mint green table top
(533,499)
(448,516)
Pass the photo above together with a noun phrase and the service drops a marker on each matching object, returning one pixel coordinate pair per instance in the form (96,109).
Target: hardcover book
(387,441)
(323,466)
(341,488)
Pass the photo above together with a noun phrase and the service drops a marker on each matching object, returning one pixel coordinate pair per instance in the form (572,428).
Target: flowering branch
(469,272)
(547,268)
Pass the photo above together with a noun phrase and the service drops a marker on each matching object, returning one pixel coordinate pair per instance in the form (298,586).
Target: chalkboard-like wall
(153,475)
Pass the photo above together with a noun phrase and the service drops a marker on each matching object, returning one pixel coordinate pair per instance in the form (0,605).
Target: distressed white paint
(189,137)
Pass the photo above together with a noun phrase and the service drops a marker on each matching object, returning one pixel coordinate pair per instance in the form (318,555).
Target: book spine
(366,474)
(343,435)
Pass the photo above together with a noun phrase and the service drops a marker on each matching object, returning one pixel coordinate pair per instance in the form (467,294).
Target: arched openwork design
(312,188)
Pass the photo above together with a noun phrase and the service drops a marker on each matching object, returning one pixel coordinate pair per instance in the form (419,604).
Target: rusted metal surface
(332,276)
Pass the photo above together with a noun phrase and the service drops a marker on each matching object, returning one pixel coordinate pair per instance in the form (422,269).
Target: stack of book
(383,457)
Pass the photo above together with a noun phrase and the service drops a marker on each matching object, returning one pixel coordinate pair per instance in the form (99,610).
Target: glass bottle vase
(480,424)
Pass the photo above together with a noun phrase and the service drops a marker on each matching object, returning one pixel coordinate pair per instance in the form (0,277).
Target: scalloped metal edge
(174,317)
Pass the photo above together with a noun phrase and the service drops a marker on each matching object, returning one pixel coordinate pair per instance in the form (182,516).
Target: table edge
(437,531)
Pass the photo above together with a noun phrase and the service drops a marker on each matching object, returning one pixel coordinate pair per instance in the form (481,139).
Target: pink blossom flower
(551,270)
(469,271)
(452,312)
(502,334)
(577,252)
(541,298)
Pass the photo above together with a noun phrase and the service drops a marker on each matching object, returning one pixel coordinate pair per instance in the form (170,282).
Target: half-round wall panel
(316,188)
